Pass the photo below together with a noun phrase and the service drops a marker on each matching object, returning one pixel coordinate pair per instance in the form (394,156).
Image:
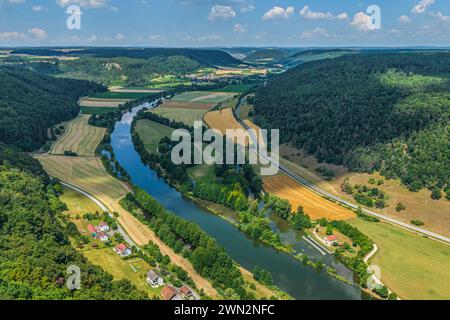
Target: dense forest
(31,102)
(35,251)
(384,112)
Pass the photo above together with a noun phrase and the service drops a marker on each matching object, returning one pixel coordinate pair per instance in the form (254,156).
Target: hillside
(31,102)
(388,113)
(204,57)
(313,55)
(266,56)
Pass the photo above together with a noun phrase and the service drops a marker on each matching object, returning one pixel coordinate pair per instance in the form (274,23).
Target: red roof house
(168,292)
(332,238)
(185,291)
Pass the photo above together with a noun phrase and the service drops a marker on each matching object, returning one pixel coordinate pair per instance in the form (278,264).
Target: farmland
(80,138)
(203,96)
(314,205)
(412,266)
(134,90)
(187,116)
(98,103)
(235,88)
(97,110)
(151,133)
(125,95)
(223,120)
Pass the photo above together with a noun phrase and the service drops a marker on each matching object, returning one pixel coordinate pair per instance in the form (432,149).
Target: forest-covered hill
(205,57)
(387,112)
(31,102)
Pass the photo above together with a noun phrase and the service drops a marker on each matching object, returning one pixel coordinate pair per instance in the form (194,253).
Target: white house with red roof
(122,250)
(103,227)
(330,240)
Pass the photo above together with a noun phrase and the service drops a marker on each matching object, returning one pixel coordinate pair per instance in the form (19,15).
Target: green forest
(370,112)
(31,102)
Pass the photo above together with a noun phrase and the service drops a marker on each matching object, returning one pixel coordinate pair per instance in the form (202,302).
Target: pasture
(127,95)
(135,90)
(151,133)
(412,266)
(314,205)
(80,137)
(187,105)
(77,203)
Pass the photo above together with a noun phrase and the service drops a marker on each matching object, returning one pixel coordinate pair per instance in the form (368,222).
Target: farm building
(154,279)
(186,292)
(103,226)
(330,240)
(103,237)
(170,293)
(92,230)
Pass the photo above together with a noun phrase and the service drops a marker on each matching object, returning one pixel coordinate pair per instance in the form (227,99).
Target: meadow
(99,103)
(235,88)
(203,96)
(151,133)
(187,116)
(412,266)
(127,95)
(80,137)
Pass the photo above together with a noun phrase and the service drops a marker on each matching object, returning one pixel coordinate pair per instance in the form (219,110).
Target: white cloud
(307,13)
(247,8)
(154,37)
(15,1)
(342,16)
(37,8)
(39,33)
(113,9)
(221,13)
(83,3)
(422,6)
(404,19)
(120,36)
(8,36)
(239,28)
(211,37)
(278,13)
(441,17)
(361,21)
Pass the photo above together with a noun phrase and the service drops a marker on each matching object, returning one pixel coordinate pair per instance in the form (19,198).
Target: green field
(97,110)
(202,171)
(187,116)
(77,203)
(203,96)
(238,88)
(151,133)
(412,266)
(121,95)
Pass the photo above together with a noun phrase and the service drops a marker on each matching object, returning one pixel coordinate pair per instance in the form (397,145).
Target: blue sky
(209,23)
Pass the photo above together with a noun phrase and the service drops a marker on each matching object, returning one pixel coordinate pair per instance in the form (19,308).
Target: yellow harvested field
(80,137)
(109,103)
(314,205)
(223,120)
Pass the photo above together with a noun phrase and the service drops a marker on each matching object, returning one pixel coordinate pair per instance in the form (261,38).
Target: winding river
(289,274)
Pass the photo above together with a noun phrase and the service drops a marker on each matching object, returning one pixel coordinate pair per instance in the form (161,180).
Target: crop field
(87,173)
(121,95)
(203,96)
(414,267)
(222,120)
(315,206)
(99,103)
(135,90)
(187,116)
(151,133)
(235,88)
(120,269)
(187,105)
(97,110)
(80,138)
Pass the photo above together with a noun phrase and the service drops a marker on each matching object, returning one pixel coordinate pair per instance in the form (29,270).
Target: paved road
(323,193)
(104,208)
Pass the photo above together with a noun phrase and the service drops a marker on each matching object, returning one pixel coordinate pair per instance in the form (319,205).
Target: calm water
(288,273)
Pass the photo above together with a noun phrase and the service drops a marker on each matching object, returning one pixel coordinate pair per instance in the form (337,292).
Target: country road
(325,194)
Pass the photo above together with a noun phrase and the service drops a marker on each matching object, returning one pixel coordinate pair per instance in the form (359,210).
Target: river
(289,274)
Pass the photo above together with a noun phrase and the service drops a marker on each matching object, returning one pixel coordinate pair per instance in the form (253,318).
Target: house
(185,292)
(103,226)
(169,293)
(154,279)
(92,230)
(103,237)
(122,250)
(330,240)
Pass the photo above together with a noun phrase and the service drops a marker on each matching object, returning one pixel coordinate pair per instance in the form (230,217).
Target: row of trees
(207,257)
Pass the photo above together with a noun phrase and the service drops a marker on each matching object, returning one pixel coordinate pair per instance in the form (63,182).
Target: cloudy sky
(203,23)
